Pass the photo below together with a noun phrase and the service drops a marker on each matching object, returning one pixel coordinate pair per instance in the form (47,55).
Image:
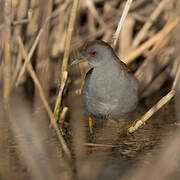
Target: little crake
(110,90)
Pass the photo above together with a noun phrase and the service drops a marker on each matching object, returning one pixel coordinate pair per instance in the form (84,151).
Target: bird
(110,90)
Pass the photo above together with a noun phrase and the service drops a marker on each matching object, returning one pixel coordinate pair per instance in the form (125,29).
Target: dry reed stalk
(94,12)
(21,21)
(43,98)
(138,4)
(137,52)
(144,30)
(126,36)
(91,23)
(58,41)
(100,145)
(77,42)
(157,47)
(64,73)
(154,109)
(156,84)
(6,159)
(21,14)
(176,79)
(7,51)
(121,22)
(157,106)
(36,41)
(63,115)
(43,63)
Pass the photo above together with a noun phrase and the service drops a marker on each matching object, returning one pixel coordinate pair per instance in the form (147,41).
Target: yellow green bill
(77,61)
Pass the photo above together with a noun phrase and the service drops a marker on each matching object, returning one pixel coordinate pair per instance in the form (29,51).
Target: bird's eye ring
(93,53)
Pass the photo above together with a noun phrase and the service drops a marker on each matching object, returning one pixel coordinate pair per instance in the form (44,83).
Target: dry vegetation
(43,126)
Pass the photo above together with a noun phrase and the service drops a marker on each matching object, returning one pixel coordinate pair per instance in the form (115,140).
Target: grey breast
(112,94)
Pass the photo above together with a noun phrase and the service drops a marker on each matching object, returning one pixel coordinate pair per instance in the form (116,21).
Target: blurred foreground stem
(7,51)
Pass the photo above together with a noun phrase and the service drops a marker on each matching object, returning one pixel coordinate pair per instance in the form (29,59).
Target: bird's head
(96,53)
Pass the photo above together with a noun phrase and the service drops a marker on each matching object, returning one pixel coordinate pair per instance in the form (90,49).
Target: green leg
(90,125)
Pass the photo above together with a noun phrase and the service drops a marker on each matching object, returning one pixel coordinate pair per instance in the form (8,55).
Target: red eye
(93,53)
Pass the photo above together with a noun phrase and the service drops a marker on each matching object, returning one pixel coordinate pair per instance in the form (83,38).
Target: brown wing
(87,76)
(122,66)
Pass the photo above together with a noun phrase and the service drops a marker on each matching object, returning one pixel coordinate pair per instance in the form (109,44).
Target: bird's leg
(78,91)
(90,125)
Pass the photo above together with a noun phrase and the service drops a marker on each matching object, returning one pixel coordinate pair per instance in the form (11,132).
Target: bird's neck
(108,67)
